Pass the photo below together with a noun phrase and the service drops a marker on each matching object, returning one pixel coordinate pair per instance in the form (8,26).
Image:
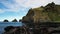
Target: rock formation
(48,13)
(14,20)
(13,30)
(20,20)
(5,20)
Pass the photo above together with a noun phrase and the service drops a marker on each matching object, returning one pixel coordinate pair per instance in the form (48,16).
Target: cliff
(48,13)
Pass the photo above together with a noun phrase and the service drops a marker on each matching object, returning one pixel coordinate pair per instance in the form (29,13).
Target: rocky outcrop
(20,20)
(47,13)
(5,20)
(13,30)
(14,20)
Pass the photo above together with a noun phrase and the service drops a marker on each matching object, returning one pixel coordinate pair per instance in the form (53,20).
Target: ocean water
(5,24)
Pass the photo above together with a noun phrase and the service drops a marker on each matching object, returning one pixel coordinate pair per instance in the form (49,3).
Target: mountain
(48,13)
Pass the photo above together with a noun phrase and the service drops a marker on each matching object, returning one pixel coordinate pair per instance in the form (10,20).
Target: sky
(16,9)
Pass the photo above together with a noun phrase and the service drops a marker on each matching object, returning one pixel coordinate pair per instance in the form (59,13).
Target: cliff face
(48,13)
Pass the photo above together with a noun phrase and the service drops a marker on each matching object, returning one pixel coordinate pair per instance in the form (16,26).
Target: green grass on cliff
(53,16)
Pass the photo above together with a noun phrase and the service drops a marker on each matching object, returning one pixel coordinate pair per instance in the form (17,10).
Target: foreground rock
(12,30)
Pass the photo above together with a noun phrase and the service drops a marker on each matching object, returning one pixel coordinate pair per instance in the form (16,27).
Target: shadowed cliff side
(48,13)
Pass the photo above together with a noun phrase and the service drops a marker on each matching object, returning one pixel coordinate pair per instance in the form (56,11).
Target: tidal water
(5,24)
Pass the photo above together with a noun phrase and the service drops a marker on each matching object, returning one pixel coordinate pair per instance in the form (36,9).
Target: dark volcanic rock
(8,28)
(12,30)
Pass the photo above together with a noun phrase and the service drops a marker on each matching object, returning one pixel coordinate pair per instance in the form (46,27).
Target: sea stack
(5,20)
(14,20)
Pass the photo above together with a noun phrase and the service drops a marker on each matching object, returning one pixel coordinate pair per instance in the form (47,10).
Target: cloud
(33,3)
(1,11)
(17,5)
(10,6)
(57,1)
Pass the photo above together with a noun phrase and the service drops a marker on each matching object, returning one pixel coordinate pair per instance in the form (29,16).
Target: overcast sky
(11,9)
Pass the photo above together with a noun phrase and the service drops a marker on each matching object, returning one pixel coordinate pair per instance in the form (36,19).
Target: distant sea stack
(14,20)
(20,20)
(5,20)
(48,13)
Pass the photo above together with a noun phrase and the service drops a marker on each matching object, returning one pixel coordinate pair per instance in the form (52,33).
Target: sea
(5,24)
